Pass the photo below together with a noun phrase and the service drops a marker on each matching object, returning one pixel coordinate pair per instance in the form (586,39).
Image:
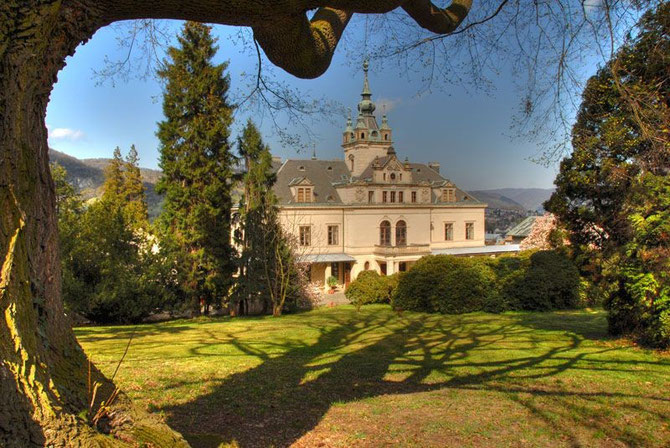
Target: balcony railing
(408,249)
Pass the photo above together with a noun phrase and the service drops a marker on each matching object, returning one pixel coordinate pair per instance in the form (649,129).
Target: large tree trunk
(43,370)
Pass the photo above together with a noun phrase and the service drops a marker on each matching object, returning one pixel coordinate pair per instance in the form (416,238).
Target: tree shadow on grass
(369,355)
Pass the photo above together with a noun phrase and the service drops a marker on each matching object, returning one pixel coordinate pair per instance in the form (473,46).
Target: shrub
(446,284)
(370,287)
(508,270)
(108,268)
(551,282)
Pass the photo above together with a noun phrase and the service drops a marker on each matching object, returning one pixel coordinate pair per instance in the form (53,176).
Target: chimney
(435,166)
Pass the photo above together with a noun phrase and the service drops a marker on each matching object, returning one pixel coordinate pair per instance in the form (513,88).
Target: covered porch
(323,266)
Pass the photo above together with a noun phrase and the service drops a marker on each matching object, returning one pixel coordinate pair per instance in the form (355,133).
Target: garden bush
(551,282)
(446,284)
(370,287)
(542,281)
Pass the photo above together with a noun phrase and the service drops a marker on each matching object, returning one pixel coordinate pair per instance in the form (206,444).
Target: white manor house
(373,209)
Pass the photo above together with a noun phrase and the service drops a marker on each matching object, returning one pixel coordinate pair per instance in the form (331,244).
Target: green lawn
(337,378)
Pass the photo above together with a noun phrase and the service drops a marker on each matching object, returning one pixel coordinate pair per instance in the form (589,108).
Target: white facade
(370,210)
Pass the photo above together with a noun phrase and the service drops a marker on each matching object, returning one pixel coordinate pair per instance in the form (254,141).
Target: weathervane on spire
(366,84)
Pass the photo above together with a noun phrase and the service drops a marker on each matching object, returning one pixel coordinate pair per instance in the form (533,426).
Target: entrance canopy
(325,258)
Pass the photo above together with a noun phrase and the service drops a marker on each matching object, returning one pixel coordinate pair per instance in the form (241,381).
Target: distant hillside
(87,175)
(527,198)
(497,201)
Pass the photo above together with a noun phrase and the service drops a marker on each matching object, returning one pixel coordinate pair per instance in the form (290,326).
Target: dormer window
(448,195)
(301,168)
(304,194)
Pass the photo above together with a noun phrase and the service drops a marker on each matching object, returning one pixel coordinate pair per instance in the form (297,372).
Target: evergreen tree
(67,198)
(255,204)
(112,187)
(123,188)
(268,266)
(135,203)
(197,166)
(612,192)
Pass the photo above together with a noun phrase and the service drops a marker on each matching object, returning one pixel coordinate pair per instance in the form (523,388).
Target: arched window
(367,266)
(352,163)
(385,233)
(362,134)
(392,176)
(401,233)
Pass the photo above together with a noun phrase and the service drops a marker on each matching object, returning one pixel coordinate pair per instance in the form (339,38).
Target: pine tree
(268,266)
(255,203)
(123,188)
(135,203)
(113,184)
(197,166)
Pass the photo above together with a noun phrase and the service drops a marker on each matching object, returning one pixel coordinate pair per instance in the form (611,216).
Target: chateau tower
(366,141)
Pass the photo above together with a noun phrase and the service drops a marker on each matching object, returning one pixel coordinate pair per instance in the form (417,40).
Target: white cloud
(65,134)
(387,104)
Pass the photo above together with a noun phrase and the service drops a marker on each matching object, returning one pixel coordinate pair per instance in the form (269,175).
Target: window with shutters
(304,194)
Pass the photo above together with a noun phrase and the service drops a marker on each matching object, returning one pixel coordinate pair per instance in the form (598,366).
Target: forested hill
(497,201)
(87,175)
(507,198)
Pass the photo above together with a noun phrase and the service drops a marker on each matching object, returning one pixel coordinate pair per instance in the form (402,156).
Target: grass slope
(338,378)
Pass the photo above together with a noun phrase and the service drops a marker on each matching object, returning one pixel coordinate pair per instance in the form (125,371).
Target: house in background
(373,210)
(520,231)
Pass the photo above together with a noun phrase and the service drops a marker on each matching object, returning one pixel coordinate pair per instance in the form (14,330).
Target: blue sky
(467,132)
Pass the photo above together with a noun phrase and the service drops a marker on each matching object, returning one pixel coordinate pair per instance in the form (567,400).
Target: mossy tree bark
(43,371)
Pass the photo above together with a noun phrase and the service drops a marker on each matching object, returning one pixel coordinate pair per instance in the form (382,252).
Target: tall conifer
(133,190)
(113,184)
(197,166)
(256,217)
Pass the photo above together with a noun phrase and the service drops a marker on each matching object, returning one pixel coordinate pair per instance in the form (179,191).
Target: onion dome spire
(366,106)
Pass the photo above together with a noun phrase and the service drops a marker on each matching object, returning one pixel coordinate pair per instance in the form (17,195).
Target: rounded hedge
(534,281)
(370,287)
(551,282)
(446,284)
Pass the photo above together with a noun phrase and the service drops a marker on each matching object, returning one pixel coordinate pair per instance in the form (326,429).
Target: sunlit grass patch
(337,377)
